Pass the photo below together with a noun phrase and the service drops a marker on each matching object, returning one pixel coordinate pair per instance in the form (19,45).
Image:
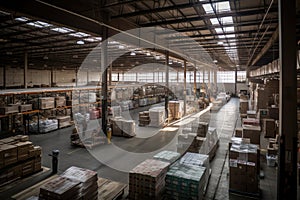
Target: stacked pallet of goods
(189,178)
(74,183)
(157,116)
(244,167)
(18,158)
(147,180)
(144,118)
(176,109)
(122,127)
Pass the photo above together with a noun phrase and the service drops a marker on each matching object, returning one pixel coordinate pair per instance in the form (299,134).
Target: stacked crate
(18,158)
(46,102)
(60,101)
(144,118)
(25,107)
(147,180)
(185,182)
(88,186)
(63,121)
(13,108)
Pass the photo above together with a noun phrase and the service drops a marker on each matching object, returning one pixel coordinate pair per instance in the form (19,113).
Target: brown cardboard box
(252,132)
(238,132)
(274,113)
(269,128)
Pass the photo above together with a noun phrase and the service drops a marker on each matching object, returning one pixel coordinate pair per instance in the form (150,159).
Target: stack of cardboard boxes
(144,118)
(244,166)
(147,180)
(18,158)
(176,109)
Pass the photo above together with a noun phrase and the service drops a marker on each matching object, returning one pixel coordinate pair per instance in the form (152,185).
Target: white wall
(15,77)
(229,87)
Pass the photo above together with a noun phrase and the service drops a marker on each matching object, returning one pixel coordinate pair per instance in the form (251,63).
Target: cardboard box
(238,132)
(252,132)
(46,102)
(269,128)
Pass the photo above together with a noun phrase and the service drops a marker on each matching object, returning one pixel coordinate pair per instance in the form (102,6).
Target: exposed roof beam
(264,50)
(163,9)
(245,12)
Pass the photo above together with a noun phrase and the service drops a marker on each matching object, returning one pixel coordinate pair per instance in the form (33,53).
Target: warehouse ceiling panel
(234,32)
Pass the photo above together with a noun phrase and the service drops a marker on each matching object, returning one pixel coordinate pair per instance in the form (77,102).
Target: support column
(123,78)
(51,76)
(177,76)
(215,76)
(4,77)
(136,77)
(203,76)
(110,73)
(87,76)
(208,73)
(184,89)
(235,82)
(118,76)
(104,80)
(195,83)
(287,169)
(167,85)
(25,69)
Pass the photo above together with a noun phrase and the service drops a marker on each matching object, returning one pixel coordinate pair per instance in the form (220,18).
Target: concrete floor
(125,153)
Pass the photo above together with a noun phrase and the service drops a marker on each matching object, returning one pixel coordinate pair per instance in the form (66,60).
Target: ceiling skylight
(214,21)
(62,30)
(228,29)
(80,34)
(219,7)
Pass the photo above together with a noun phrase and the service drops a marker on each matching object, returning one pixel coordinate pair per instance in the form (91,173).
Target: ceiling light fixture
(132,53)
(215,61)
(80,42)
(45,58)
(75,56)
(148,54)
(121,47)
(220,43)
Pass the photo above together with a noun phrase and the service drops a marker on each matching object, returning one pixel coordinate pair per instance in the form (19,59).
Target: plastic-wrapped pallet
(157,116)
(128,128)
(167,156)
(200,128)
(197,160)
(88,181)
(147,180)
(116,111)
(189,178)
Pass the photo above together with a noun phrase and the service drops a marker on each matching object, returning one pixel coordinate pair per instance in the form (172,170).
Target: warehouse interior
(149,99)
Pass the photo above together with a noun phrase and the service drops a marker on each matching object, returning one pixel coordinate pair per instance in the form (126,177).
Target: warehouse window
(241,76)
(226,77)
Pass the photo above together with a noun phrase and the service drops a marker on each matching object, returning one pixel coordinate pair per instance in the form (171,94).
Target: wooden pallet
(110,190)
(32,191)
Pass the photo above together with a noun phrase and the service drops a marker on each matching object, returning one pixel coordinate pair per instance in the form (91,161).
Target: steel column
(104,79)
(287,169)
(4,77)
(184,89)
(167,85)
(25,69)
